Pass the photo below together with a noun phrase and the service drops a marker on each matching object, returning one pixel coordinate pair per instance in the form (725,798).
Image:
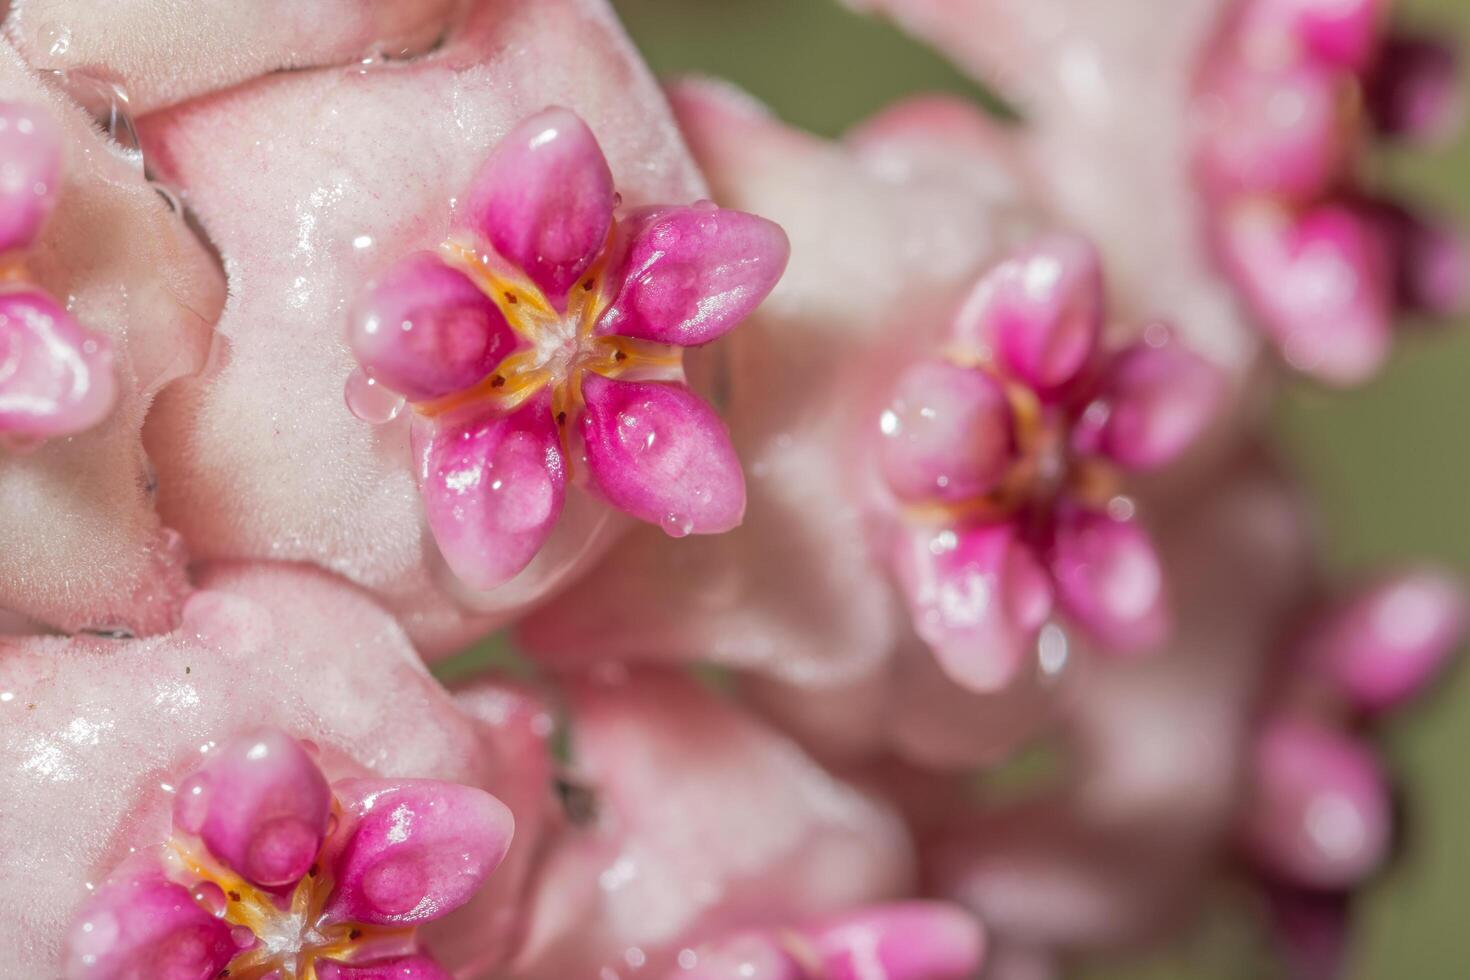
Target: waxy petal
(1110,581)
(1321,284)
(30,171)
(544,199)
(687,275)
(660,453)
(978,596)
(416,849)
(493,487)
(905,941)
(947,433)
(1159,399)
(261,806)
(56,378)
(141,926)
(1038,313)
(1320,814)
(403,968)
(1382,647)
(425,330)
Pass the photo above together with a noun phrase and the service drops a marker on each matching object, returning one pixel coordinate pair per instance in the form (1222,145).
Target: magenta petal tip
(947,433)
(56,377)
(139,924)
(1160,398)
(661,454)
(1110,581)
(415,849)
(905,941)
(417,967)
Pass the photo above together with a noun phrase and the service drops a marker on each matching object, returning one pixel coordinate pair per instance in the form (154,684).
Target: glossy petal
(416,849)
(1383,646)
(544,199)
(977,596)
(1110,581)
(261,806)
(140,926)
(1338,34)
(426,331)
(1159,398)
(660,453)
(1279,132)
(56,378)
(493,488)
(403,968)
(687,275)
(907,941)
(30,171)
(1416,91)
(1321,284)
(1039,313)
(946,434)
(1320,816)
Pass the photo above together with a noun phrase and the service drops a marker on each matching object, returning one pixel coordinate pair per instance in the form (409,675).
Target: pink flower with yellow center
(1003,459)
(273,874)
(542,347)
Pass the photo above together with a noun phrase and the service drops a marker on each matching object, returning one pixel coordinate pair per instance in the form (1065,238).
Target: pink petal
(1343,33)
(1321,284)
(404,968)
(56,378)
(1278,132)
(947,433)
(1159,397)
(977,596)
(1040,312)
(908,941)
(140,926)
(261,806)
(493,488)
(416,849)
(690,274)
(544,199)
(1416,90)
(425,330)
(1385,645)
(30,172)
(1321,814)
(660,453)
(1110,581)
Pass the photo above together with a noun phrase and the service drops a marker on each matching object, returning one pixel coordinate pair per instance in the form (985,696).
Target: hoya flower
(1324,267)
(55,376)
(1003,458)
(275,784)
(542,347)
(108,297)
(313,183)
(695,821)
(903,941)
(1236,125)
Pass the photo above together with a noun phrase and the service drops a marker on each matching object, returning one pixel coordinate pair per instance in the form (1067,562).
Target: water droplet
(243,937)
(170,199)
(370,401)
(617,200)
(211,897)
(705,204)
(107,103)
(677,525)
(708,226)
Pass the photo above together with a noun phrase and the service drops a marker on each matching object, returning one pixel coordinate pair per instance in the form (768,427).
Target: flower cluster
(968,627)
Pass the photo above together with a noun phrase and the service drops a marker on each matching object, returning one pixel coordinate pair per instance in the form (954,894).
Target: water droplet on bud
(677,525)
(370,401)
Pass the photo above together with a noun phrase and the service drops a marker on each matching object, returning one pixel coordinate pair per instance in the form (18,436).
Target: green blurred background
(1388,463)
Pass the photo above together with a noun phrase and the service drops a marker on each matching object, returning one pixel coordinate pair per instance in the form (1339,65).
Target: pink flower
(545,342)
(287,727)
(270,869)
(1002,460)
(1289,92)
(382,154)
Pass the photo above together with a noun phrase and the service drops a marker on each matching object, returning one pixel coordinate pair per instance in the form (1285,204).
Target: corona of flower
(543,347)
(1004,458)
(56,377)
(1289,94)
(272,874)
